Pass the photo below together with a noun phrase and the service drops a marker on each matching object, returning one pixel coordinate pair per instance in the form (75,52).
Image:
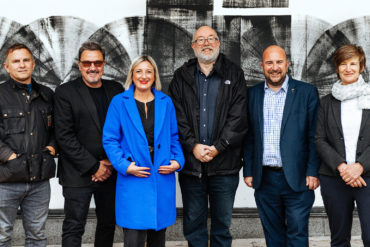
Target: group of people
(124,145)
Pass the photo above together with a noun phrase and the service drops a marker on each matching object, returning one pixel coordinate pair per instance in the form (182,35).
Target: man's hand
(138,171)
(173,166)
(201,153)
(104,171)
(51,150)
(12,156)
(312,182)
(213,152)
(248,181)
(351,173)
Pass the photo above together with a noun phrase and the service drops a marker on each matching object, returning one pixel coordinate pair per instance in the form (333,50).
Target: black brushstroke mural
(257,33)
(166,34)
(319,62)
(255,3)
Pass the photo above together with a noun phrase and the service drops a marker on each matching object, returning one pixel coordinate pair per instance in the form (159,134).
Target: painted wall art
(166,34)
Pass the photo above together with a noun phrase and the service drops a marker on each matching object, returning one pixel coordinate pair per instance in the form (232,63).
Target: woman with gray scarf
(343,144)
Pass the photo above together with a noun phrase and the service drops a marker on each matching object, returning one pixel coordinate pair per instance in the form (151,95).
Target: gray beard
(208,58)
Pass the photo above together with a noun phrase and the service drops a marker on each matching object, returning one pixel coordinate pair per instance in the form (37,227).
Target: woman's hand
(138,171)
(173,166)
(358,183)
(351,173)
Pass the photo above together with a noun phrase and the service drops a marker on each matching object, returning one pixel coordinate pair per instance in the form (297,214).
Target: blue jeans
(220,191)
(33,200)
(284,213)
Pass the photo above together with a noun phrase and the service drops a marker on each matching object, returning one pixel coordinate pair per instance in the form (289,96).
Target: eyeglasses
(87,64)
(201,41)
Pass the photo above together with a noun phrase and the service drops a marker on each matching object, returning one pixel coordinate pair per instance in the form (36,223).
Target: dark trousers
(136,238)
(284,213)
(339,201)
(220,191)
(76,208)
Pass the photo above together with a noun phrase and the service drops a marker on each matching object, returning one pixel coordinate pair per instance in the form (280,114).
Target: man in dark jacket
(209,94)
(84,170)
(27,147)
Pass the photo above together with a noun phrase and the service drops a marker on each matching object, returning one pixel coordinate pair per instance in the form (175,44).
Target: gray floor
(257,242)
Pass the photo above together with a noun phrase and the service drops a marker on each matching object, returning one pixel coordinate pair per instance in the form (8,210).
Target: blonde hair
(157,81)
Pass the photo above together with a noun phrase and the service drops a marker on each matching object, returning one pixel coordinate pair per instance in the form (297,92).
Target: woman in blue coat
(140,138)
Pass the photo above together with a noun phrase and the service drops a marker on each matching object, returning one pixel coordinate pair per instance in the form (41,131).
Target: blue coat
(298,153)
(143,203)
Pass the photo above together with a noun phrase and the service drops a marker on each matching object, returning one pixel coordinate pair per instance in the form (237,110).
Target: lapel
(365,115)
(259,106)
(109,92)
(159,112)
(88,101)
(336,109)
(289,102)
(133,112)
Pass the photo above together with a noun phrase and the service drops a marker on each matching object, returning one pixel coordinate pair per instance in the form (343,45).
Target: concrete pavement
(257,242)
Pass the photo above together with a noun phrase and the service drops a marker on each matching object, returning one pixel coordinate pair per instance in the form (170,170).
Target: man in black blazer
(84,170)
(280,157)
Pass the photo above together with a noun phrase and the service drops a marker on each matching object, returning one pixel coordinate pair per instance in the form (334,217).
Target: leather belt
(274,168)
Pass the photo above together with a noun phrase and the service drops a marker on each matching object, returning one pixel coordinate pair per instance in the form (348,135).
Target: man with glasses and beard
(281,163)
(84,170)
(209,93)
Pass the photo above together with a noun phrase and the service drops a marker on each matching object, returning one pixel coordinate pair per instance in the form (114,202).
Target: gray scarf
(359,89)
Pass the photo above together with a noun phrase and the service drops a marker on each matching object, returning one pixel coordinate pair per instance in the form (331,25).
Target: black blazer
(78,131)
(330,142)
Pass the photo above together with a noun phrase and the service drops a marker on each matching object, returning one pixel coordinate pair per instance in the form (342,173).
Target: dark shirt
(147,119)
(101,102)
(207,95)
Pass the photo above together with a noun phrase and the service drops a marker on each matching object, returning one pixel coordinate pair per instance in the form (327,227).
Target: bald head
(204,30)
(274,65)
(273,49)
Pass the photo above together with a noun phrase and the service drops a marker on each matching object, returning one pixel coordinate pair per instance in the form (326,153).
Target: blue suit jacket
(297,146)
(143,203)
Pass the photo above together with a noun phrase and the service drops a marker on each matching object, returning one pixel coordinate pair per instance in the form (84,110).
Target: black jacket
(230,122)
(26,128)
(79,132)
(330,141)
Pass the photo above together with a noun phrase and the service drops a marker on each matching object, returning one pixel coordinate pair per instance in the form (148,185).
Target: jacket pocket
(14,120)
(15,170)
(48,165)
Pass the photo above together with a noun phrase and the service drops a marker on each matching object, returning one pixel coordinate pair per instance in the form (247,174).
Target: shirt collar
(200,71)
(283,87)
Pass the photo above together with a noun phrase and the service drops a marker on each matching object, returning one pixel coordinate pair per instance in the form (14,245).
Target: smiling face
(20,64)
(349,70)
(274,65)
(143,76)
(206,51)
(91,65)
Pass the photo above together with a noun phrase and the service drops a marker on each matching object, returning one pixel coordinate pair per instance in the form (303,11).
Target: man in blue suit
(281,163)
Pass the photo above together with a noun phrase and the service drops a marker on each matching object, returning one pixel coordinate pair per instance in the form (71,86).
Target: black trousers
(136,238)
(339,201)
(76,208)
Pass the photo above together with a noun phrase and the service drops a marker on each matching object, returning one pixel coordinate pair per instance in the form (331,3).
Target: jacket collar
(37,90)
(133,112)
